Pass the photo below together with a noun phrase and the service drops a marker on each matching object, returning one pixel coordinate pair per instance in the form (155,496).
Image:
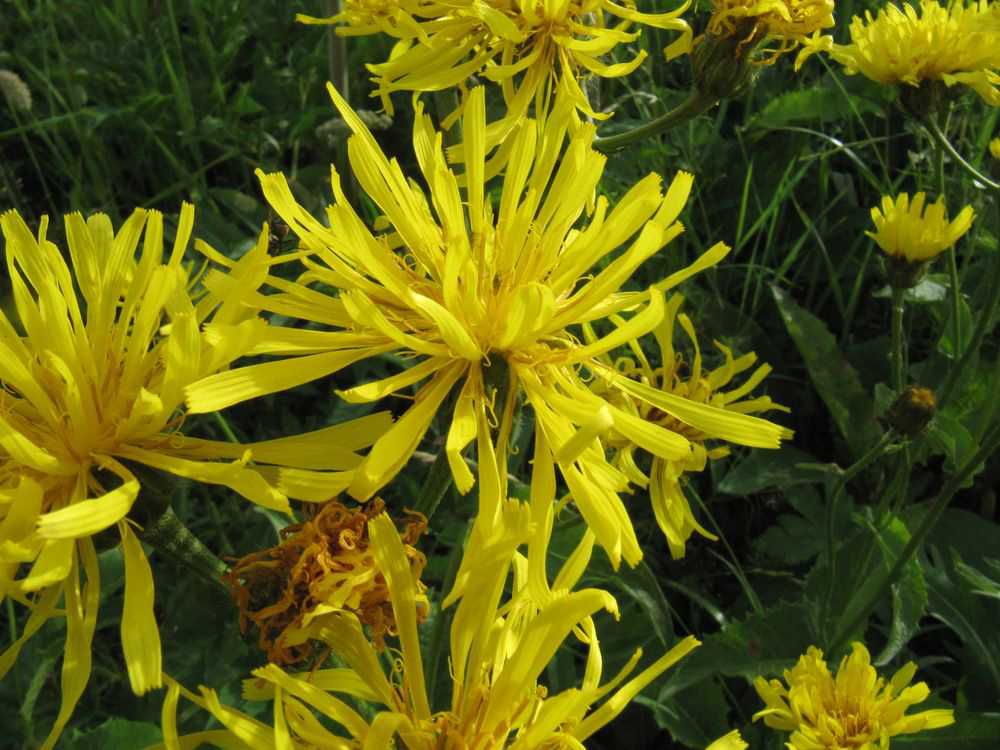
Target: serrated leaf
(695,716)
(909,593)
(808,105)
(763,469)
(762,644)
(120,734)
(951,437)
(794,539)
(834,378)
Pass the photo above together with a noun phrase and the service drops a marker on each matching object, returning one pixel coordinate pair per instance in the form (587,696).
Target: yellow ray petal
(140,634)
(88,516)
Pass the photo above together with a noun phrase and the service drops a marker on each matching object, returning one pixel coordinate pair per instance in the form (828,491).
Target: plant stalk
(898,355)
(170,537)
(696,104)
(919,536)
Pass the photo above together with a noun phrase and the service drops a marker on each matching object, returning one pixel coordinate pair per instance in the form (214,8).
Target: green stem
(898,361)
(985,318)
(955,299)
(435,485)
(694,105)
(918,538)
(952,263)
(942,141)
(170,537)
(831,506)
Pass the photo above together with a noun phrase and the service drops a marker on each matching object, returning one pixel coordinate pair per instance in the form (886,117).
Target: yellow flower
(995,148)
(499,647)
(731,741)
(954,44)
(92,392)
(473,306)
(914,231)
(855,709)
(526,46)
(670,506)
(789,21)
(322,565)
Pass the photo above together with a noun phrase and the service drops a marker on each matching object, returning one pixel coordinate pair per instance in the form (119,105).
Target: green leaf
(942,313)
(796,538)
(834,378)
(695,716)
(120,734)
(909,593)
(762,644)
(763,469)
(809,105)
(951,438)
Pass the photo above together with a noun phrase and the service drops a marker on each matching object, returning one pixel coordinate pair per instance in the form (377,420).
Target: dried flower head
(753,21)
(324,564)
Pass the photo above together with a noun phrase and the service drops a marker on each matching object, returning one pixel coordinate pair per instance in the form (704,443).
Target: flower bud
(722,64)
(912,410)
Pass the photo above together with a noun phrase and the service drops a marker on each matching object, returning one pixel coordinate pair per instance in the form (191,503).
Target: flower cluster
(490,302)
(530,48)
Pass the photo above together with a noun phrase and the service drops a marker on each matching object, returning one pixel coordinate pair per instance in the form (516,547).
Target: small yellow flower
(688,381)
(788,21)
(322,565)
(526,46)
(914,231)
(500,646)
(995,148)
(472,295)
(855,709)
(92,391)
(953,44)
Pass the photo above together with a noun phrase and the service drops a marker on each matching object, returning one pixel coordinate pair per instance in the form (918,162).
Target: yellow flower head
(526,46)
(480,305)
(499,647)
(90,392)
(677,379)
(788,21)
(855,709)
(321,565)
(954,44)
(915,231)
(730,741)
(995,148)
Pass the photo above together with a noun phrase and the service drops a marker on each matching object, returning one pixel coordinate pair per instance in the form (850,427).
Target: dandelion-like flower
(953,44)
(91,393)
(730,741)
(526,46)
(500,645)
(787,21)
(914,231)
(995,148)
(322,565)
(855,709)
(475,307)
(688,381)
